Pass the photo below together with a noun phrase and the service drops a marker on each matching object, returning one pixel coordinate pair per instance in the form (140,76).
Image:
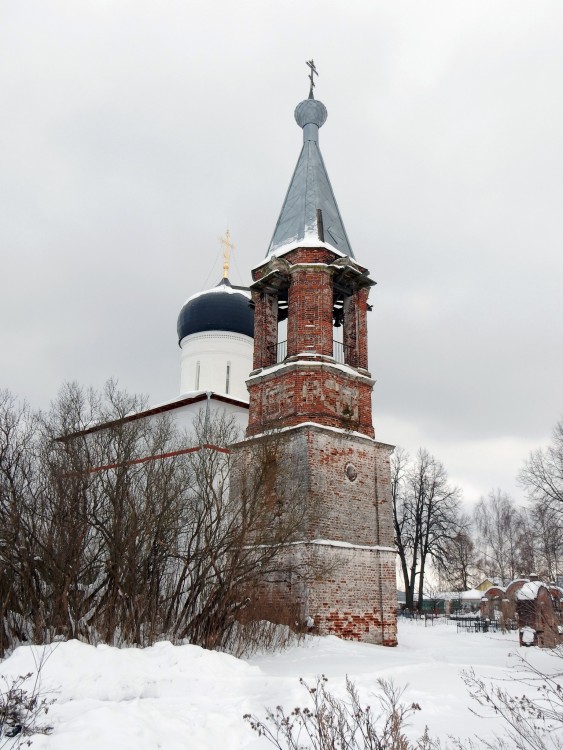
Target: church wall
(357,598)
(347,481)
(342,555)
(333,590)
(184,416)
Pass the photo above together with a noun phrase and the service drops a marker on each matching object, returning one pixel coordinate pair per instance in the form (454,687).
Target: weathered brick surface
(309,322)
(311,255)
(344,483)
(353,596)
(543,614)
(265,329)
(341,476)
(355,328)
(312,392)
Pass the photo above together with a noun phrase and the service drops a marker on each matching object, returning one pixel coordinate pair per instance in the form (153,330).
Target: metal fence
(341,352)
(476,625)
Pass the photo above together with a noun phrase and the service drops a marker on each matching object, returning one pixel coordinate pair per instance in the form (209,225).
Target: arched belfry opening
(311,310)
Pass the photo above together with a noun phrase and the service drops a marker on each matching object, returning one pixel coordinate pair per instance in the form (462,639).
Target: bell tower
(312,387)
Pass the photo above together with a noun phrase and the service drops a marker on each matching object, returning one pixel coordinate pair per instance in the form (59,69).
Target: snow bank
(183,697)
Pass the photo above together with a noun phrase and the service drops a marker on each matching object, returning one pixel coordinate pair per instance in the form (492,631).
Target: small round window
(351,472)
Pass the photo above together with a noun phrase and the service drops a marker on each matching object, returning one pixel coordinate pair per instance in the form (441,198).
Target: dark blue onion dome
(223,308)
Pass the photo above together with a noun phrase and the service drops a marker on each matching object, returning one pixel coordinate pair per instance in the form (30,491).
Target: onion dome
(222,308)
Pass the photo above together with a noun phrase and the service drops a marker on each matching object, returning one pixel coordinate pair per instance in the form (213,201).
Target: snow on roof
(469,595)
(184,399)
(312,241)
(189,396)
(320,426)
(529,591)
(268,370)
(220,289)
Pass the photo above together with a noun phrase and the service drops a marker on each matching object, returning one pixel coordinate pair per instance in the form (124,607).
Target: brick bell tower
(312,387)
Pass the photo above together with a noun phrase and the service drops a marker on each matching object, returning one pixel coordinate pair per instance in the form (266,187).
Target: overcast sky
(134,132)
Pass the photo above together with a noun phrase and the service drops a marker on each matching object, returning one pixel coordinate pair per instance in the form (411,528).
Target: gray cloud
(134,133)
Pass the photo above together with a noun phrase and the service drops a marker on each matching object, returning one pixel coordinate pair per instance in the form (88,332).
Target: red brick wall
(311,255)
(309,322)
(344,483)
(343,478)
(353,596)
(355,328)
(314,392)
(265,329)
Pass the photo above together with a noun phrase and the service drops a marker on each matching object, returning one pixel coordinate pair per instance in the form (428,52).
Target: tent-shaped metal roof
(310,211)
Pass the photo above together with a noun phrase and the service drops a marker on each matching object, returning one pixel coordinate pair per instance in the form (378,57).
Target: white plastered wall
(184,416)
(211,353)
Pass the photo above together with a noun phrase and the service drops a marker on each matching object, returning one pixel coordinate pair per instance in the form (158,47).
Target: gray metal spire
(310,211)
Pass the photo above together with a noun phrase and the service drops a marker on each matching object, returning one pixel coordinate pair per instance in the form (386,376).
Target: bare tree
(457,567)
(231,536)
(119,529)
(542,475)
(18,448)
(500,528)
(426,517)
(402,521)
(547,525)
(542,478)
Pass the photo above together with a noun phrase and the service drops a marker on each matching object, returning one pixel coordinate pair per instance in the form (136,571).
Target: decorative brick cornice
(322,363)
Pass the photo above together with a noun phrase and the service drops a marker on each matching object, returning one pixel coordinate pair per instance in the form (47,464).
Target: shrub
(331,723)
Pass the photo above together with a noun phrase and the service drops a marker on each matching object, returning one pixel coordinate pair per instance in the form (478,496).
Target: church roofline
(178,402)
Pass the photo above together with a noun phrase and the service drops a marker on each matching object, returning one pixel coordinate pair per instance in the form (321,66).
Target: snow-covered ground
(185,698)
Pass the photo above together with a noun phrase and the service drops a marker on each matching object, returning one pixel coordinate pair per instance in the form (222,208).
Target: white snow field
(185,698)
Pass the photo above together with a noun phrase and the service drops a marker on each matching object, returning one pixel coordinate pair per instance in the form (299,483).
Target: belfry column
(355,329)
(265,328)
(309,320)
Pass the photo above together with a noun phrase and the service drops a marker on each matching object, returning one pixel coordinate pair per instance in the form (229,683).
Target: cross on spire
(225,240)
(311,64)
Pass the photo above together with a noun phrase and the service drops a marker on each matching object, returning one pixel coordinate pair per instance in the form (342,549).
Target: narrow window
(228,380)
(197,376)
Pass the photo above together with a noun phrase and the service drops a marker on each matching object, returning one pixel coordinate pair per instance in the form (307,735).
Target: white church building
(216,339)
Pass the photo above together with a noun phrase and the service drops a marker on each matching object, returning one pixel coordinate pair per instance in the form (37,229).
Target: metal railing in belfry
(341,352)
(280,350)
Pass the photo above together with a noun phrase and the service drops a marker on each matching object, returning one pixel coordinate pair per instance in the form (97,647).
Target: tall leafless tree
(426,517)
(499,526)
(457,568)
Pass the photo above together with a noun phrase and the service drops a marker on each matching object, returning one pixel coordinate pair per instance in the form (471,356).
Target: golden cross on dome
(311,64)
(225,240)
